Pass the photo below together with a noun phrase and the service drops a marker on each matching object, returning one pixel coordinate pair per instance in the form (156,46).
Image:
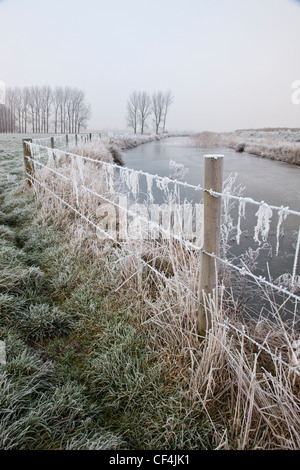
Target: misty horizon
(229,65)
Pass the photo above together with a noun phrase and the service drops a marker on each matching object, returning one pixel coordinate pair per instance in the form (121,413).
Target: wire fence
(126,206)
(63,140)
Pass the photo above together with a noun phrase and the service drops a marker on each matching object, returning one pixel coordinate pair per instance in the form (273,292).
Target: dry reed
(248,398)
(275,144)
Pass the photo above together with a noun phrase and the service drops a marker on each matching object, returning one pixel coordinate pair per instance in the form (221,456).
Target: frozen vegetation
(101,354)
(275,144)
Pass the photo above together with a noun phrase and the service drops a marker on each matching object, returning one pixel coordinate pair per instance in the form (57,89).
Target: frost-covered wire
(130,176)
(263,214)
(164,181)
(245,272)
(189,245)
(152,224)
(158,273)
(296,258)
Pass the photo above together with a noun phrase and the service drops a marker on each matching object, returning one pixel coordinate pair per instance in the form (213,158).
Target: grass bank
(100,355)
(275,144)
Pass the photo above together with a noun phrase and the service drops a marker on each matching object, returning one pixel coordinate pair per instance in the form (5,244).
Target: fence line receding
(164,210)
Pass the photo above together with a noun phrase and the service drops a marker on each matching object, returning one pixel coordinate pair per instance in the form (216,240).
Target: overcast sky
(229,63)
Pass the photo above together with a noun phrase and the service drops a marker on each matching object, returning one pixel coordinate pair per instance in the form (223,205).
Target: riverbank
(275,144)
(101,355)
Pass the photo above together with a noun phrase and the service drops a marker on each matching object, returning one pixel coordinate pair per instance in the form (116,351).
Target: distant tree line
(143,107)
(44,109)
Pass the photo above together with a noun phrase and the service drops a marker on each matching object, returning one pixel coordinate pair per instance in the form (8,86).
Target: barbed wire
(166,180)
(226,324)
(187,244)
(158,273)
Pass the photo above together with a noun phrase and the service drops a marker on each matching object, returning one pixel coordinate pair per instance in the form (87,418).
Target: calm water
(276,183)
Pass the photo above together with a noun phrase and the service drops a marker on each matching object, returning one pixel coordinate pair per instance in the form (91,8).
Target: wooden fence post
(90,137)
(52,146)
(76,139)
(213,180)
(28,164)
(67,140)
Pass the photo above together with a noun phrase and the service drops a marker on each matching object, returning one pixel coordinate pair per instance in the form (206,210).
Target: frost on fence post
(28,163)
(213,182)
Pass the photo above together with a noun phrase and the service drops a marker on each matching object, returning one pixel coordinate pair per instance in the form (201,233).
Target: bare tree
(70,110)
(31,108)
(158,104)
(144,108)
(25,108)
(64,108)
(4,118)
(47,100)
(67,100)
(83,115)
(140,105)
(18,106)
(10,110)
(59,100)
(57,97)
(133,111)
(75,108)
(37,103)
(168,100)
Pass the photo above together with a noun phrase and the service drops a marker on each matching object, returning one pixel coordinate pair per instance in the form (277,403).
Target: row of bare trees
(44,109)
(141,107)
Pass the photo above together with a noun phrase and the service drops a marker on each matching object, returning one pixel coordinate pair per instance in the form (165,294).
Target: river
(276,183)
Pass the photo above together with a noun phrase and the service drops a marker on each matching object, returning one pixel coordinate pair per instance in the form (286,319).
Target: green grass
(80,371)
(40,410)
(44,403)
(86,369)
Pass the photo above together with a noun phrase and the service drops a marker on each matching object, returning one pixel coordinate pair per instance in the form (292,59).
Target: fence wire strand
(189,245)
(132,175)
